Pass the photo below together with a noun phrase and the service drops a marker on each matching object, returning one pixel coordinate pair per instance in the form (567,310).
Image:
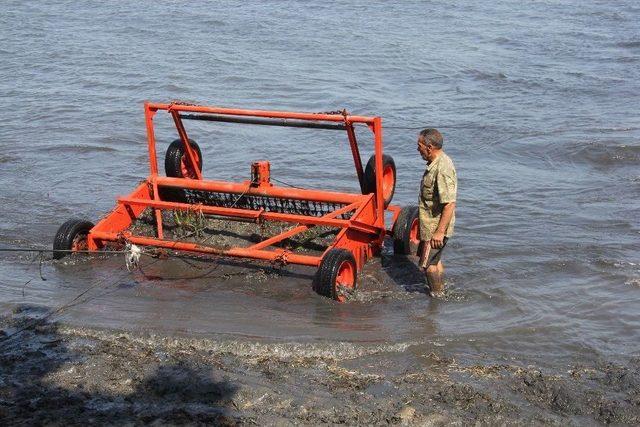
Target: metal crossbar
(264,122)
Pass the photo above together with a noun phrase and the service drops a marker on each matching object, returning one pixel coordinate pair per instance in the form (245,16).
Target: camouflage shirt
(439,186)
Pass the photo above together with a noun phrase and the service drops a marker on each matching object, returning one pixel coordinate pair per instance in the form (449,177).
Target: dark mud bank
(56,374)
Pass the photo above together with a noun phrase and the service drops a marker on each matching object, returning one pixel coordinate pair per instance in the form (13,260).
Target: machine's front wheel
(176,163)
(71,236)
(406,231)
(338,275)
(388,178)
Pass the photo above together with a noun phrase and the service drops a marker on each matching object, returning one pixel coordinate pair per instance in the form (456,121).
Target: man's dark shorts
(434,253)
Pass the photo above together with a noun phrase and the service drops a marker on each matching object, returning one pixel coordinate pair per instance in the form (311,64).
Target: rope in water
(100,284)
(60,309)
(58,250)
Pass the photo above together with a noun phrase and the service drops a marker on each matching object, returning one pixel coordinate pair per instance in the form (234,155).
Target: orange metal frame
(362,234)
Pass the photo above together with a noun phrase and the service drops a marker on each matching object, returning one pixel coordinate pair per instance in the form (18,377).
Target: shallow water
(537,103)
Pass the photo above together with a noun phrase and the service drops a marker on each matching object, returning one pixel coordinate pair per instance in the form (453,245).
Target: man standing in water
(437,203)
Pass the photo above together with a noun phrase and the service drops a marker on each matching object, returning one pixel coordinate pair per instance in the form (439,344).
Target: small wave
(212,22)
(633,282)
(234,79)
(632,44)
(78,149)
(284,351)
(604,153)
(7,159)
(611,129)
(175,88)
(484,75)
(532,84)
(627,59)
(502,40)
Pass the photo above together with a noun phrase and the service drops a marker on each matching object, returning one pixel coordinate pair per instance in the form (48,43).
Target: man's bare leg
(435,279)
(434,273)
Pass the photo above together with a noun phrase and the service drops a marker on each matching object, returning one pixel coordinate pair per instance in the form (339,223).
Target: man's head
(429,144)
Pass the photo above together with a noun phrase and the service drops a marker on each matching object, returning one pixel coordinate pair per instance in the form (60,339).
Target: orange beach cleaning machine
(359,217)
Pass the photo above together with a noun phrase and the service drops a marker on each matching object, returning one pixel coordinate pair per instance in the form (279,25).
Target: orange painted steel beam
(151,139)
(182,133)
(355,152)
(120,217)
(279,255)
(364,227)
(278,238)
(395,210)
(365,213)
(246,188)
(157,213)
(261,113)
(377,132)
(297,230)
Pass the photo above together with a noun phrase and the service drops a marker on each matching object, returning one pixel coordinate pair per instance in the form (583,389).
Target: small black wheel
(71,236)
(337,276)
(406,231)
(388,178)
(176,164)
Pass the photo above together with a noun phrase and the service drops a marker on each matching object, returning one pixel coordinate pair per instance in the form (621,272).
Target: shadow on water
(38,385)
(405,273)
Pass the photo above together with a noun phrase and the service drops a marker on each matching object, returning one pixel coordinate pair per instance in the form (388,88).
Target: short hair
(432,137)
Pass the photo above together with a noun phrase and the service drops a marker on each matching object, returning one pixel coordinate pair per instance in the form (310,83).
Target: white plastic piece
(132,256)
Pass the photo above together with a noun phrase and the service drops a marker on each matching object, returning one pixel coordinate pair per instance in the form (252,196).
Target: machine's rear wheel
(176,163)
(338,275)
(172,194)
(406,231)
(71,236)
(388,178)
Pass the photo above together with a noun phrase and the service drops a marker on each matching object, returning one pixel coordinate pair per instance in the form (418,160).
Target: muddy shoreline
(57,374)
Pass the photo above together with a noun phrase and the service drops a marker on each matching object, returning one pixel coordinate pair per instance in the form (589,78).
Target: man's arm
(447,184)
(437,239)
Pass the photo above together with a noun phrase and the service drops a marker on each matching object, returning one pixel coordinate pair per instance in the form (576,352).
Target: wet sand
(61,375)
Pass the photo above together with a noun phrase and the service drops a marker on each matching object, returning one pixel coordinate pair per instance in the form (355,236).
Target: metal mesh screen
(269,204)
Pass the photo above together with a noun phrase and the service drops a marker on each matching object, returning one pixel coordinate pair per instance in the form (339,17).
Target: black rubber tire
(67,233)
(174,155)
(328,271)
(402,230)
(369,184)
(172,194)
